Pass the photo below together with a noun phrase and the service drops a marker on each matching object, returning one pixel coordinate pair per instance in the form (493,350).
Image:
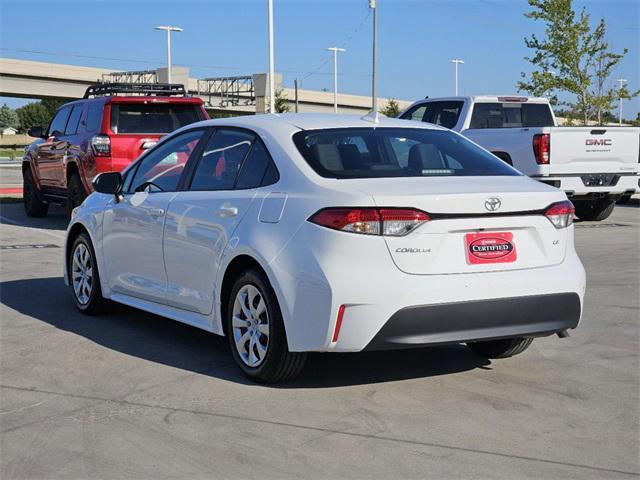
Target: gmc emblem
(598,142)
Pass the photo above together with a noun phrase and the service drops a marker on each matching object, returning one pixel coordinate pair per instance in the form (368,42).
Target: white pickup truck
(595,166)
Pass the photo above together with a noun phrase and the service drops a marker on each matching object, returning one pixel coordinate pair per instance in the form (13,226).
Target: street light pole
(621,81)
(373,4)
(272,80)
(456,62)
(169,29)
(335,51)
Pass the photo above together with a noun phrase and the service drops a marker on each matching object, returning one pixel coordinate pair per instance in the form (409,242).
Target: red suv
(105,131)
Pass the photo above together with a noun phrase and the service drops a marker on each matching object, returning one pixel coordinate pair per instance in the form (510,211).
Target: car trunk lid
(478,224)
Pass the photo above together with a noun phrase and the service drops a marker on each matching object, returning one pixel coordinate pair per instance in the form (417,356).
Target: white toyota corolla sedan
(313,232)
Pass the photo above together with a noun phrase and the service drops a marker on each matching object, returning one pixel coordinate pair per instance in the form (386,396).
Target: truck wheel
(75,193)
(33,206)
(624,199)
(256,331)
(500,348)
(594,211)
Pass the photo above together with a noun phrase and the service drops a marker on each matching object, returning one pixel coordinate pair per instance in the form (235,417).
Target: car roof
(313,121)
(150,99)
(483,98)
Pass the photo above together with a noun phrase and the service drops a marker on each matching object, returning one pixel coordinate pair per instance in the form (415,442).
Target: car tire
(82,265)
(624,199)
(505,348)
(594,211)
(256,331)
(33,206)
(75,193)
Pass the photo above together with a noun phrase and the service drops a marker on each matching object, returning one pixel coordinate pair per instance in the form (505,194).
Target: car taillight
(101,145)
(371,221)
(542,148)
(560,214)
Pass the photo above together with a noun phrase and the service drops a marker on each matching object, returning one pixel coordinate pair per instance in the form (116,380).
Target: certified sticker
(493,247)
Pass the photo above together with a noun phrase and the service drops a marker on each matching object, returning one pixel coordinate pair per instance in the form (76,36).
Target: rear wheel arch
(234,268)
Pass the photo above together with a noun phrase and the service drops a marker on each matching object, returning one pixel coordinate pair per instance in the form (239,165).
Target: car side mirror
(36,132)
(108,182)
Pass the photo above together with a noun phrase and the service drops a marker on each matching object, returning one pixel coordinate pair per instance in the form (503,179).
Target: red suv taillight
(371,221)
(542,148)
(101,145)
(560,214)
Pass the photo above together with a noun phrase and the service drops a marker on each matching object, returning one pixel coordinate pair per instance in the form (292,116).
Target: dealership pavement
(132,395)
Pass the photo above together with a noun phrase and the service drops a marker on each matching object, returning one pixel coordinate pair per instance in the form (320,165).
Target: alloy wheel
(250,323)
(82,273)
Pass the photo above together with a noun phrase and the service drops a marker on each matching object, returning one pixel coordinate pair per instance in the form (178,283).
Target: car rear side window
(94,116)
(221,159)
(444,113)
(395,152)
(59,122)
(74,120)
(152,118)
(255,167)
(511,115)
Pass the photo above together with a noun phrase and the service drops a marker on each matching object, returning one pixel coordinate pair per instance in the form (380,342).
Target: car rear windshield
(152,118)
(511,115)
(395,152)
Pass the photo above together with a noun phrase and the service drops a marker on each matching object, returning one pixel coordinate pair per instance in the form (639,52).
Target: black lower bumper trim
(530,316)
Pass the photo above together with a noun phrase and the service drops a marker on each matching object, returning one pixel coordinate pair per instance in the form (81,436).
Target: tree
(391,109)
(33,115)
(572,57)
(52,105)
(8,117)
(281,102)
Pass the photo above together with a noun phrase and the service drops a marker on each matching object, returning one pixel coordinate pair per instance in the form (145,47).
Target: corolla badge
(492,204)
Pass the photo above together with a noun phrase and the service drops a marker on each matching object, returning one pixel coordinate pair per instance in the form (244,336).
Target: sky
(223,38)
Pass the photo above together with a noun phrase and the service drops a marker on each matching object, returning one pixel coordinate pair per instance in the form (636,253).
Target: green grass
(11,153)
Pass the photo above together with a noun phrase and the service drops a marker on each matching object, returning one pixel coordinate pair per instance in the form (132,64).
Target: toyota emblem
(492,204)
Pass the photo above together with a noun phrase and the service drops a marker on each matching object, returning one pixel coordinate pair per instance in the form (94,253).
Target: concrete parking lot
(132,395)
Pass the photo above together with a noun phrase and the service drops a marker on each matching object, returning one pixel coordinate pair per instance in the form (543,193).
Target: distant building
(8,131)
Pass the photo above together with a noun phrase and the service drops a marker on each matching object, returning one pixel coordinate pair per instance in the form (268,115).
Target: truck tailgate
(576,150)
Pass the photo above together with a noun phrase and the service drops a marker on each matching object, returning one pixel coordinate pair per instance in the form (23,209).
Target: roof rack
(157,89)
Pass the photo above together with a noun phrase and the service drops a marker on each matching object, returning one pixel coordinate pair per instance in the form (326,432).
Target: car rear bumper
(574,185)
(535,315)
(379,298)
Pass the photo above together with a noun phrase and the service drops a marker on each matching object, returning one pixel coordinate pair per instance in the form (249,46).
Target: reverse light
(387,221)
(101,145)
(542,148)
(560,214)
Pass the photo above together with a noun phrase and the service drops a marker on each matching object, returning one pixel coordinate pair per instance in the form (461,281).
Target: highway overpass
(29,79)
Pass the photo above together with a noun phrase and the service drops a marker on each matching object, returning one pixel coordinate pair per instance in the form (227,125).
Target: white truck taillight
(388,221)
(560,214)
(101,145)
(542,148)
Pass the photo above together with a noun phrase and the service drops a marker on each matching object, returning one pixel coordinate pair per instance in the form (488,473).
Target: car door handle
(156,212)
(227,211)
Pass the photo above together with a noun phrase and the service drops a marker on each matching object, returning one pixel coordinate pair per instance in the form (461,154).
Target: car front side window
(417,113)
(59,122)
(160,170)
